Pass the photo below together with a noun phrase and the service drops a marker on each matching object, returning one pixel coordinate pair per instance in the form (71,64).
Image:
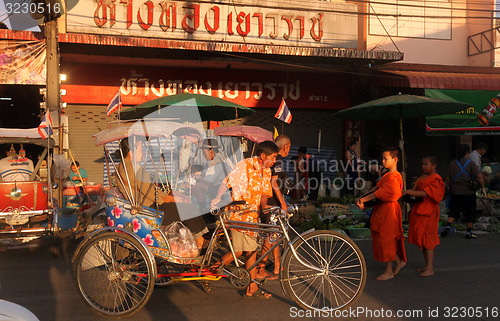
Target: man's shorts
(465,204)
(243,243)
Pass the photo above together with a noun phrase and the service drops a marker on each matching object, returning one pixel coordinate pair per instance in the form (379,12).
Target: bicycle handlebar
(225,207)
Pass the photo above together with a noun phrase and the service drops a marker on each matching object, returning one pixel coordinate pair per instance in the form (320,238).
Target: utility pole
(54,85)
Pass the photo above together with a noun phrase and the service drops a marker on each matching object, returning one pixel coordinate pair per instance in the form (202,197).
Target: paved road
(467,276)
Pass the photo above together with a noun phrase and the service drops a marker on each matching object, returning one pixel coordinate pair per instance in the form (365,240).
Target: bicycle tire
(339,287)
(113,274)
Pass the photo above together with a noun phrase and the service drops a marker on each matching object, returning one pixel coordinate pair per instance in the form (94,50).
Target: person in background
(476,155)
(8,66)
(462,197)
(278,183)
(77,174)
(212,176)
(352,172)
(302,174)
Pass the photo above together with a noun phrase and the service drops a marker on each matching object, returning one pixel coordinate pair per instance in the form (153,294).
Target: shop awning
(446,80)
(464,123)
(438,77)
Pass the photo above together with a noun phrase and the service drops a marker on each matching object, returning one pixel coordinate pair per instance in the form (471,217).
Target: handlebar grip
(224,207)
(242,202)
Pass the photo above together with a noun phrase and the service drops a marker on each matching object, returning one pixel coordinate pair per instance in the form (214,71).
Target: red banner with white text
(97,84)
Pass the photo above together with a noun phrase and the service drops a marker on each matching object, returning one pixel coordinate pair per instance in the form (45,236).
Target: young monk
(424,216)
(386,219)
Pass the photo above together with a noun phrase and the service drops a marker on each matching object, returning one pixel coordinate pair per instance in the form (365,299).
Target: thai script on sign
(221,89)
(210,19)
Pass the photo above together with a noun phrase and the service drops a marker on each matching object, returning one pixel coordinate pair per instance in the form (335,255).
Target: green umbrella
(401,107)
(187,107)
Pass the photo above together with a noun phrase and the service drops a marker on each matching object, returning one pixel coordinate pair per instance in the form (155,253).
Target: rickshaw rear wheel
(114,274)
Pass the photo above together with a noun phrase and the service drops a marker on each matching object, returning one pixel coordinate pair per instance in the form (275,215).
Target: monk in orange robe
(424,216)
(386,219)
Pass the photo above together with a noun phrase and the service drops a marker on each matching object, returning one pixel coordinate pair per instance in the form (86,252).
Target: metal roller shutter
(83,122)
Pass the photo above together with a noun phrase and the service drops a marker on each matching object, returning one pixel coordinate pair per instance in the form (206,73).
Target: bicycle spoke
(113,274)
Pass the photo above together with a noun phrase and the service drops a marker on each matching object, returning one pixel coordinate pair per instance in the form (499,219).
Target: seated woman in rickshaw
(139,180)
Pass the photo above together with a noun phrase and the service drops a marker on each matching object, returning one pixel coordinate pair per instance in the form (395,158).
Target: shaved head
(282,140)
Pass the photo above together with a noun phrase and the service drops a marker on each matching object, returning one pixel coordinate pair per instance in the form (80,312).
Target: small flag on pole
(284,113)
(114,104)
(276,134)
(45,127)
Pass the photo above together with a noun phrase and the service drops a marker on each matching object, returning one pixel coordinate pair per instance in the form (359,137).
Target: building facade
(253,53)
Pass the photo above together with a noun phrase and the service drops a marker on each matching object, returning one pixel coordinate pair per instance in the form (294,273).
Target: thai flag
(114,104)
(45,127)
(284,113)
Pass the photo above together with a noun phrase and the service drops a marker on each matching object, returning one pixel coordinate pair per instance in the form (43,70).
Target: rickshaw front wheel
(335,274)
(114,274)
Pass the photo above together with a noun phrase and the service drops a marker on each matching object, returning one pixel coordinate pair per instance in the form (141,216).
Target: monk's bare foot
(421,269)
(426,273)
(399,266)
(386,276)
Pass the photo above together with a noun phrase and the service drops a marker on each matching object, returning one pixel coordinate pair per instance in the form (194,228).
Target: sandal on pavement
(259,294)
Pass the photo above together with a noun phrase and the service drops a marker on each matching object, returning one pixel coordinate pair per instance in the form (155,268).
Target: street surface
(465,285)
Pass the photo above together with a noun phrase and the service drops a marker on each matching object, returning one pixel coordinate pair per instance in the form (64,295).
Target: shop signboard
(298,23)
(465,122)
(22,62)
(90,84)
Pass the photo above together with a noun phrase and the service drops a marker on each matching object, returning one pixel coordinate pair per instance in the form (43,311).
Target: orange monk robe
(386,220)
(424,216)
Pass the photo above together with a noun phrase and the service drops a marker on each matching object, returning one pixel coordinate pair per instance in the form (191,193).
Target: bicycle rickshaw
(28,210)
(117,266)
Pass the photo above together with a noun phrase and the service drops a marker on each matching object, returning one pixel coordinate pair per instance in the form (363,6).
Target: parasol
(401,107)
(254,133)
(187,107)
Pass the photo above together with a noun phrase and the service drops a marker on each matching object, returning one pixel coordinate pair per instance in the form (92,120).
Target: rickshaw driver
(250,180)
(171,204)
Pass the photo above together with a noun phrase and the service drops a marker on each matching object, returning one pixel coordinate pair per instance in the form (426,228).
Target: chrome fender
(288,250)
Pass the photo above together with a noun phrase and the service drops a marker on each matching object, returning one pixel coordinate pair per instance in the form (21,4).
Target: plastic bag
(182,243)
(62,167)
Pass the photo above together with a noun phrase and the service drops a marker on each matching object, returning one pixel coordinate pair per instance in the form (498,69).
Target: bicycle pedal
(206,287)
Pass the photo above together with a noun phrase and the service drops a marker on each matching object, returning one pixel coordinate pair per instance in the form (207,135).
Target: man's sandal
(259,294)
